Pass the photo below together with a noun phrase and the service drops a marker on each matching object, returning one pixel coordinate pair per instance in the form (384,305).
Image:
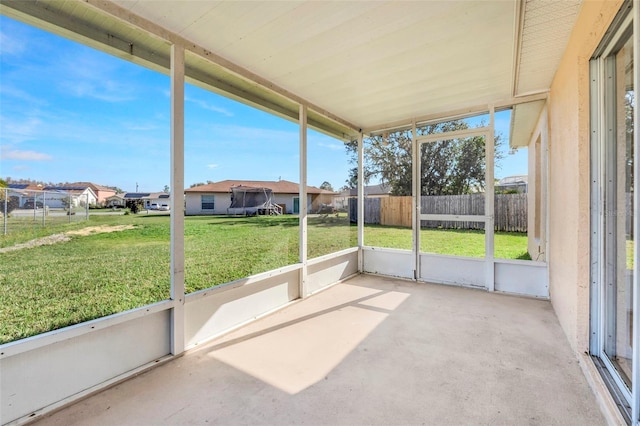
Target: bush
(12,203)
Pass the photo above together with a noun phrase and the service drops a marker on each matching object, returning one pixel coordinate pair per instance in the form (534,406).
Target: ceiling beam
(455,114)
(158,31)
(518,29)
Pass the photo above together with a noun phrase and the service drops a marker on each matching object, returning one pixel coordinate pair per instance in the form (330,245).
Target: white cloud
(19,130)
(9,92)
(212,166)
(21,168)
(11,45)
(332,146)
(15,154)
(108,91)
(84,74)
(206,105)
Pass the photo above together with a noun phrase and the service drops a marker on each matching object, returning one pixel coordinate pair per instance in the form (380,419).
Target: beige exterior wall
(103,194)
(223,202)
(569,173)
(537,190)
(193,203)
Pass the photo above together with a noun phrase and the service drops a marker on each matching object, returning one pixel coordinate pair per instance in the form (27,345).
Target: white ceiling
(368,63)
(547,27)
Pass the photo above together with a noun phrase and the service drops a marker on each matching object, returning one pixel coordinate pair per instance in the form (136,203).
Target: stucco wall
(223,201)
(536,189)
(569,173)
(193,204)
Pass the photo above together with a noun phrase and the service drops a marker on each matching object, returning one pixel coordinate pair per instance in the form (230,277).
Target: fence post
(44,207)
(6,197)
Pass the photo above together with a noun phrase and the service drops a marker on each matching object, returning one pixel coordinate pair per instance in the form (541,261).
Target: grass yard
(457,242)
(51,286)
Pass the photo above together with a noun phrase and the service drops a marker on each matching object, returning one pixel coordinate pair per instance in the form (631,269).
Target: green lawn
(458,242)
(48,287)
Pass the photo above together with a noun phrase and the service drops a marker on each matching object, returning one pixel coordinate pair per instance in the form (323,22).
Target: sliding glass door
(612,218)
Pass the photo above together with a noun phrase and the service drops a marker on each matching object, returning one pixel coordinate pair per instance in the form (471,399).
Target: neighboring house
(102,192)
(24,192)
(215,198)
(341,200)
(149,200)
(517,183)
(156,200)
(116,200)
(52,195)
(60,196)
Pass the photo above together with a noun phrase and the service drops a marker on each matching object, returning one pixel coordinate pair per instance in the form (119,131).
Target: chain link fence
(25,210)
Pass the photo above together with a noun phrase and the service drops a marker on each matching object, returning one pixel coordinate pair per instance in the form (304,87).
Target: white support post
(6,200)
(635,389)
(360,203)
(177,199)
(544,174)
(303,201)
(489,201)
(416,197)
(44,207)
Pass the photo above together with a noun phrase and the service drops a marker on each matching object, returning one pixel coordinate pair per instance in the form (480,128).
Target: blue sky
(71,113)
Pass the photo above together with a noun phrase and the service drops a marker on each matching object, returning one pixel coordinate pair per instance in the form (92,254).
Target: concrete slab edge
(606,403)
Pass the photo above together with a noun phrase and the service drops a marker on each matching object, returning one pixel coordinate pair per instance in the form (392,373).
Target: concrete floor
(369,351)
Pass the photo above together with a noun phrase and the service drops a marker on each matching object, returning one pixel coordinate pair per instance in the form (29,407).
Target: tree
(629,105)
(448,167)
(7,203)
(166,189)
(134,205)
(326,186)
(67,202)
(201,184)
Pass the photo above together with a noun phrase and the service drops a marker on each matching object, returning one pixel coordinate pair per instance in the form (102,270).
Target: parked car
(153,206)
(30,205)
(164,207)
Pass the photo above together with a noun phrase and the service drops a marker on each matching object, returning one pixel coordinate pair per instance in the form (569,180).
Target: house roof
(18,185)
(70,189)
(135,195)
(158,195)
(25,186)
(141,195)
(355,65)
(278,187)
(93,186)
(380,189)
(514,180)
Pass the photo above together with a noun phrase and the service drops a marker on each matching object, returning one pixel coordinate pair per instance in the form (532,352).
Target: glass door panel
(452,195)
(618,211)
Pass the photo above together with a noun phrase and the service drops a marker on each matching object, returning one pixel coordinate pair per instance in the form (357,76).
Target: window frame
(207,203)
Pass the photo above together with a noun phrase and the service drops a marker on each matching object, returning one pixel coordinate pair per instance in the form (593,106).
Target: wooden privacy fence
(510,211)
